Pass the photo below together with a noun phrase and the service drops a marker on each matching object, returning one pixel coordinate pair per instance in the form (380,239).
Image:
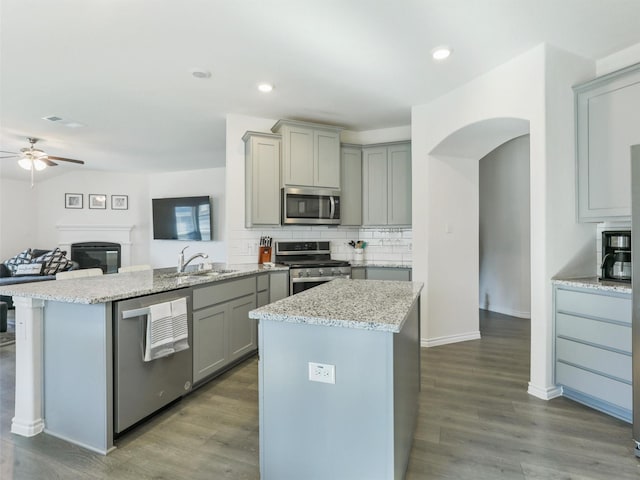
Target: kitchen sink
(198,273)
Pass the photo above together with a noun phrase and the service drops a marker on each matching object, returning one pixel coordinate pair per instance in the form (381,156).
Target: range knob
(320,272)
(301,274)
(307,273)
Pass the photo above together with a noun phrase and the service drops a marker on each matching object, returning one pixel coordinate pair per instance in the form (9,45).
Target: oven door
(298,285)
(310,206)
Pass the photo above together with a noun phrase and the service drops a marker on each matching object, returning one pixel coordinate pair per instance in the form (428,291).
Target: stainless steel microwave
(310,206)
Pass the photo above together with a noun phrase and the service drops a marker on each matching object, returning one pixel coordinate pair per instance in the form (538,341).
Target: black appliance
(310,264)
(104,255)
(616,256)
(182,218)
(310,206)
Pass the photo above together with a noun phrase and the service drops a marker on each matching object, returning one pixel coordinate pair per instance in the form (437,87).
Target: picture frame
(73,200)
(97,201)
(119,202)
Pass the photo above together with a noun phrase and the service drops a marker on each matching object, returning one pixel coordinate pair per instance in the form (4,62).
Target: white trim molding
(460,337)
(28,420)
(544,393)
(507,311)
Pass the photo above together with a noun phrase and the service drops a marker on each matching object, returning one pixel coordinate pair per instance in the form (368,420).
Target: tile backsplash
(601,227)
(384,245)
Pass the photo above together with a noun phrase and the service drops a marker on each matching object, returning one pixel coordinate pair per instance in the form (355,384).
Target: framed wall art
(119,202)
(72,200)
(97,201)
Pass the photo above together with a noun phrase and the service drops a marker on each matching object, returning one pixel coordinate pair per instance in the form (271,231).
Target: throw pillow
(28,270)
(22,257)
(53,261)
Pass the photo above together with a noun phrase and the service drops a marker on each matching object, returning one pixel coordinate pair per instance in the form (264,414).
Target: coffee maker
(616,256)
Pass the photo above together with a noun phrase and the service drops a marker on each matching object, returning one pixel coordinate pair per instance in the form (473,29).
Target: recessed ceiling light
(200,73)
(441,53)
(265,87)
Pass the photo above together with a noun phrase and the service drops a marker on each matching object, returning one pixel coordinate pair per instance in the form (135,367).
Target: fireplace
(104,255)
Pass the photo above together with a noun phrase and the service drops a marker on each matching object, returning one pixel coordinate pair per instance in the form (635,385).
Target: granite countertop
(594,283)
(118,286)
(373,263)
(379,305)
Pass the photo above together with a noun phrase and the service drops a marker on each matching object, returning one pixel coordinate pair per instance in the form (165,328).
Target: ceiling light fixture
(265,87)
(200,73)
(26,163)
(441,53)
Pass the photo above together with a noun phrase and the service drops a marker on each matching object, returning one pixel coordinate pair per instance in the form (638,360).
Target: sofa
(49,263)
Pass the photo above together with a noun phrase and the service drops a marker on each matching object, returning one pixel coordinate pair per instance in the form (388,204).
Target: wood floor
(476,421)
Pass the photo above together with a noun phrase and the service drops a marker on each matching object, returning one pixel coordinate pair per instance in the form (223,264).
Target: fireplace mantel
(117,233)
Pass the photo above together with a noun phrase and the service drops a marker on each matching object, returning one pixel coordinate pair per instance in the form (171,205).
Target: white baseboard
(508,311)
(544,393)
(460,337)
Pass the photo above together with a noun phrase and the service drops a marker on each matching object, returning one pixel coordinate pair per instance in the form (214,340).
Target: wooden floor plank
(476,421)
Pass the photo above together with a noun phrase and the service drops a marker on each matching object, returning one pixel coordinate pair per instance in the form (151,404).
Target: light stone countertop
(118,286)
(379,305)
(373,263)
(594,283)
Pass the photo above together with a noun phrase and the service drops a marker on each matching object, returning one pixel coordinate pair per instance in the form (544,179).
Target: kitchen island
(339,377)
(67,349)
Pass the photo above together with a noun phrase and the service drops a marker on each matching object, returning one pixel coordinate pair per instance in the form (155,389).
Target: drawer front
(218,292)
(611,363)
(595,305)
(593,331)
(263,298)
(604,388)
(263,282)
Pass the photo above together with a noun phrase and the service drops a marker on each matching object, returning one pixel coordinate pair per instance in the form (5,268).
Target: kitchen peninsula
(339,377)
(68,354)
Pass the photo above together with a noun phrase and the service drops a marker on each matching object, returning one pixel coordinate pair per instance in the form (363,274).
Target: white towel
(159,335)
(180,325)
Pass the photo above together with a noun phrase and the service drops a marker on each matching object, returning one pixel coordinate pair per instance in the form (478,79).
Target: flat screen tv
(183,218)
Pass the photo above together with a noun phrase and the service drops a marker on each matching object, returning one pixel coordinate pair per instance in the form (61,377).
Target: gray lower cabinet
(351,186)
(386,185)
(222,329)
(279,285)
(358,273)
(607,116)
(381,273)
(593,348)
(388,273)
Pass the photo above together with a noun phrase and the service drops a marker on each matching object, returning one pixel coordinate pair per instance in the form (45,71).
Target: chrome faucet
(181,262)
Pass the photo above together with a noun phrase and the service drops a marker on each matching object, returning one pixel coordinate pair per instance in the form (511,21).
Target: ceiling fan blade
(61,159)
(10,156)
(4,151)
(48,162)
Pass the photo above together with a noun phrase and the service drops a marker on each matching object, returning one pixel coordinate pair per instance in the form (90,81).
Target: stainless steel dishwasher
(141,388)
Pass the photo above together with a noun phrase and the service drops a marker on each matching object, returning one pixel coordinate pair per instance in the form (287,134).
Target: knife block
(264,255)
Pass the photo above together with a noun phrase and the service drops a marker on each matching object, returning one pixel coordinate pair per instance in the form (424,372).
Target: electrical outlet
(322,372)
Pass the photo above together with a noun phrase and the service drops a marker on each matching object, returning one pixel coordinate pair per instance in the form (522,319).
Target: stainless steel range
(310,264)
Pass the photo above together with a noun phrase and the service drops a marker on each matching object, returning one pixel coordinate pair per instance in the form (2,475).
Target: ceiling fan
(33,159)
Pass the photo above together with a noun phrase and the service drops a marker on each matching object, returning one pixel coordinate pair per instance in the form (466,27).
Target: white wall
(536,88)
(385,245)
(18,217)
(505,263)
(211,181)
(51,211)
(618,60)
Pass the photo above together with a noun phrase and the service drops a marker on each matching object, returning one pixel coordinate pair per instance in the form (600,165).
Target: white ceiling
(122,67)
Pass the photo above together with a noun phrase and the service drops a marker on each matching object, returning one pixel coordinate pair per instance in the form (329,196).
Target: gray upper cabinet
(608,116)
(310,154)
(262,179)
(351,186)
(386,184)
